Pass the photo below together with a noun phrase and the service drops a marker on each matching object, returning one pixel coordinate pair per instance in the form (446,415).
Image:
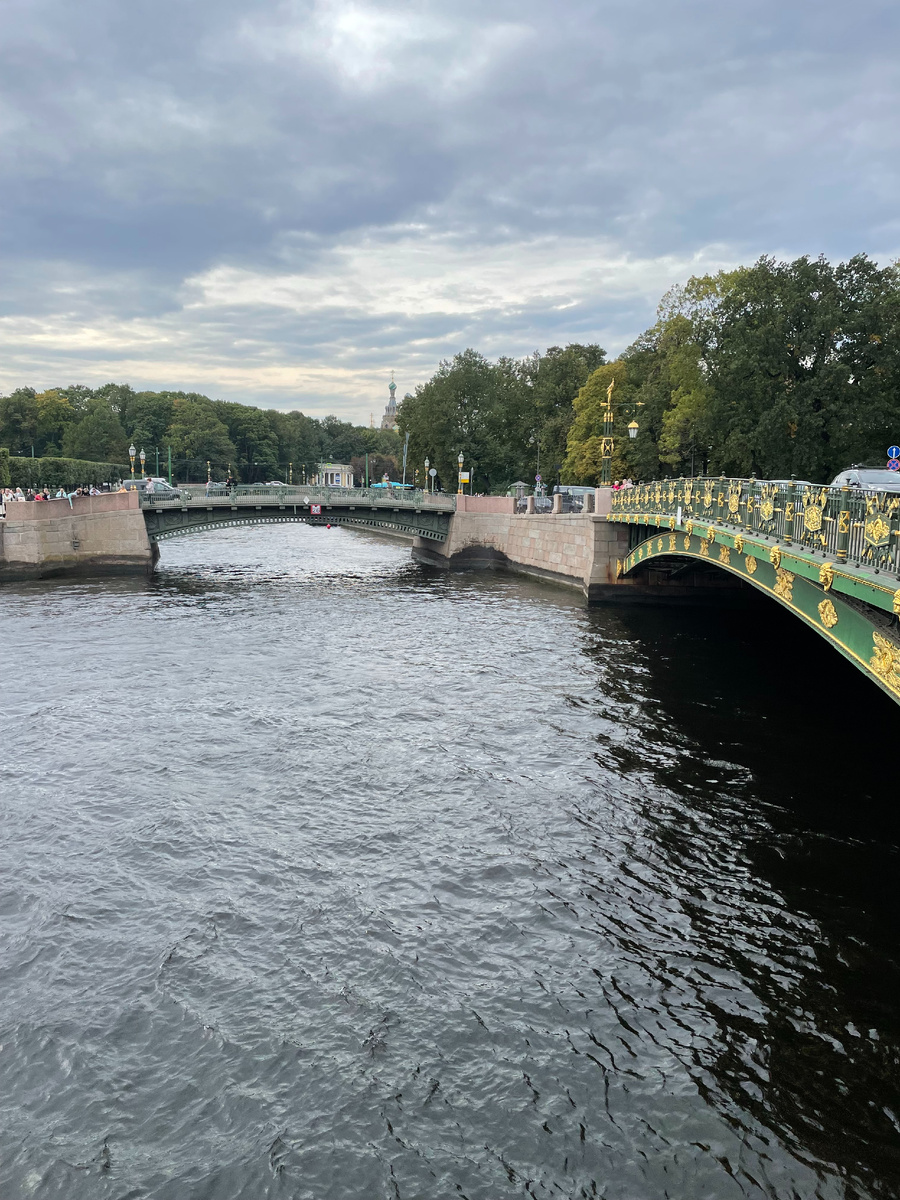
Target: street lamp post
(427,465)
(208,471)
(535,440)
(459,487)
(132,451)
(143,462)
(607,442)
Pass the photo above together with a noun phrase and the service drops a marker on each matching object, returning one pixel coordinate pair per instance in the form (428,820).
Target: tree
(584,451)
(19,420)
(197,436)
(98,436)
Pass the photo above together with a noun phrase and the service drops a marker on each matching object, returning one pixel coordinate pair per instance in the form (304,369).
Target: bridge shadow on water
(768,766)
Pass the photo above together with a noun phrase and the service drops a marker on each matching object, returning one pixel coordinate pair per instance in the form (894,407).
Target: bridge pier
(584,551)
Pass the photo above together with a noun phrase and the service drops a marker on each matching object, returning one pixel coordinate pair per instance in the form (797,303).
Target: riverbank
(91,536)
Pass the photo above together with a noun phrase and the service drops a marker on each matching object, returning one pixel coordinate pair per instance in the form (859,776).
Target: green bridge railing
(852,527)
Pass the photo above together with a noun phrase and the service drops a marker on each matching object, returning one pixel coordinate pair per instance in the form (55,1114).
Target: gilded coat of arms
(885,661)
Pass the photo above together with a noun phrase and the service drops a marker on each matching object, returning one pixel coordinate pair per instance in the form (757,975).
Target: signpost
(894,464)
(893,451)
(315,510)
(432,472)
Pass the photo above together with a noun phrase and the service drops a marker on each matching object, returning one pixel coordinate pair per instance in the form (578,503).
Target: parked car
(140,485)
(868,479)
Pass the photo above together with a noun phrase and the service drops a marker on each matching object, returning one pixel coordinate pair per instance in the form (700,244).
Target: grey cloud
(147,143)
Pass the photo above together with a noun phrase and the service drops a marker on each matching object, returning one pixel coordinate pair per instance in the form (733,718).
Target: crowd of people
(9,495)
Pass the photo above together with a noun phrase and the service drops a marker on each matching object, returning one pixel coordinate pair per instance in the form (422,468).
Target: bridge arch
(859,631)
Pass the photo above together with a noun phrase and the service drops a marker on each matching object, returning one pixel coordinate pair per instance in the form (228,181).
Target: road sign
(894,464)
(433,472)
(464,477)
(537,479)
(893,451)
(316,510)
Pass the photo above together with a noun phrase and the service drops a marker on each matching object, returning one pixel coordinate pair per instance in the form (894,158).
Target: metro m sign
(315,510)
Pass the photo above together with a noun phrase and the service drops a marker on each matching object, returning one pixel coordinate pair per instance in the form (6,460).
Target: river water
(327,876)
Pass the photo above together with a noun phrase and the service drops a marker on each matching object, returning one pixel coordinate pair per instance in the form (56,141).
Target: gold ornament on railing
(826,575)
(775,557)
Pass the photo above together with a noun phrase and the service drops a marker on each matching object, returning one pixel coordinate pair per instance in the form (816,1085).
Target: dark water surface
(323,876)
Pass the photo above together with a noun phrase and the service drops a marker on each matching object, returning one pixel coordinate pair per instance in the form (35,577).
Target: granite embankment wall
(579,550)
(97,535)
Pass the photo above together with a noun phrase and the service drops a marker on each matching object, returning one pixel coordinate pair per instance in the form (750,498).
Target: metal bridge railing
(850,526)
(251,495)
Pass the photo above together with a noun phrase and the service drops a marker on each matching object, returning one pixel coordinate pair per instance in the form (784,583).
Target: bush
(4,467)
(59,472)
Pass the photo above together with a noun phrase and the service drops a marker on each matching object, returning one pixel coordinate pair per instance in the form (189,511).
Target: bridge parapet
(255,496)
(853,527)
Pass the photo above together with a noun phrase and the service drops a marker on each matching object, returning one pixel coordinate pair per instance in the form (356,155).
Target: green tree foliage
(498,414)
(776,369)
(98,437)
(4,467)
(59,472)
(198,436)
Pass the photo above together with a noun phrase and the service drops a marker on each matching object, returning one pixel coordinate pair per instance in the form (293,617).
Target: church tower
(389,420)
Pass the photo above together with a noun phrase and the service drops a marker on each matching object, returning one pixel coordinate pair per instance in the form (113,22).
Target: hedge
(4,467)
(56,472)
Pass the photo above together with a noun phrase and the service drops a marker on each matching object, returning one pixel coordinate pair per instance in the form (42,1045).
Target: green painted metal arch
(857,631)
(175,525)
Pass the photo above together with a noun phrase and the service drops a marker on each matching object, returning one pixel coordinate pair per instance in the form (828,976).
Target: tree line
(778,369)
(252,444)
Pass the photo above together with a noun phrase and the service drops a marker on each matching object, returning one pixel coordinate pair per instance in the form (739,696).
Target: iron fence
(852,526)
(302,496)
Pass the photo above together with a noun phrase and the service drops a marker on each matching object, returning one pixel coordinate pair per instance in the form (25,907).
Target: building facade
(334,475)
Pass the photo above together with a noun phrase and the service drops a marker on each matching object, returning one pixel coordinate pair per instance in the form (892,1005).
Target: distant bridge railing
(251,496)
(859,528)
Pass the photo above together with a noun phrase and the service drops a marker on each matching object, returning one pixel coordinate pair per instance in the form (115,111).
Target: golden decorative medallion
(812,518)
(688,492)
(843,522)
(767,509)
(671,541)
(671,493)
(689,527)
(750,564)
(826,575)
(659,544)
(885,662)
(687,541)
(710,534)
(877,531)
(708,495)
(775,556)
(640,552)
(828,614)
(784,585)
(734,498)
(704,549)
(724,555)
(618,567)
(739,544)
(657,495)
(897,602)
(671,522)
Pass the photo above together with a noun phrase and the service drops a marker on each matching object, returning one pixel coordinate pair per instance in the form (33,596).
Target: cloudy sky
(281,202)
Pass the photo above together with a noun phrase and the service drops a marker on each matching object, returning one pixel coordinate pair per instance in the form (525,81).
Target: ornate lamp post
(132,451)
(460,460)
(427,465)
(208,471)
(143,458)
(607,442)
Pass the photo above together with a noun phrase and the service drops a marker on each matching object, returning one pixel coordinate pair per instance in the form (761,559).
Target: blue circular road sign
(893,464)
(894,452)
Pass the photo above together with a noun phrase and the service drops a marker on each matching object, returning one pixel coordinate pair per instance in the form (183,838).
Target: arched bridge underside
(853,605)
(165,523)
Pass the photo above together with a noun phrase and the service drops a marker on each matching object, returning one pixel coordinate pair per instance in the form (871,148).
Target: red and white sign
(316,510)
